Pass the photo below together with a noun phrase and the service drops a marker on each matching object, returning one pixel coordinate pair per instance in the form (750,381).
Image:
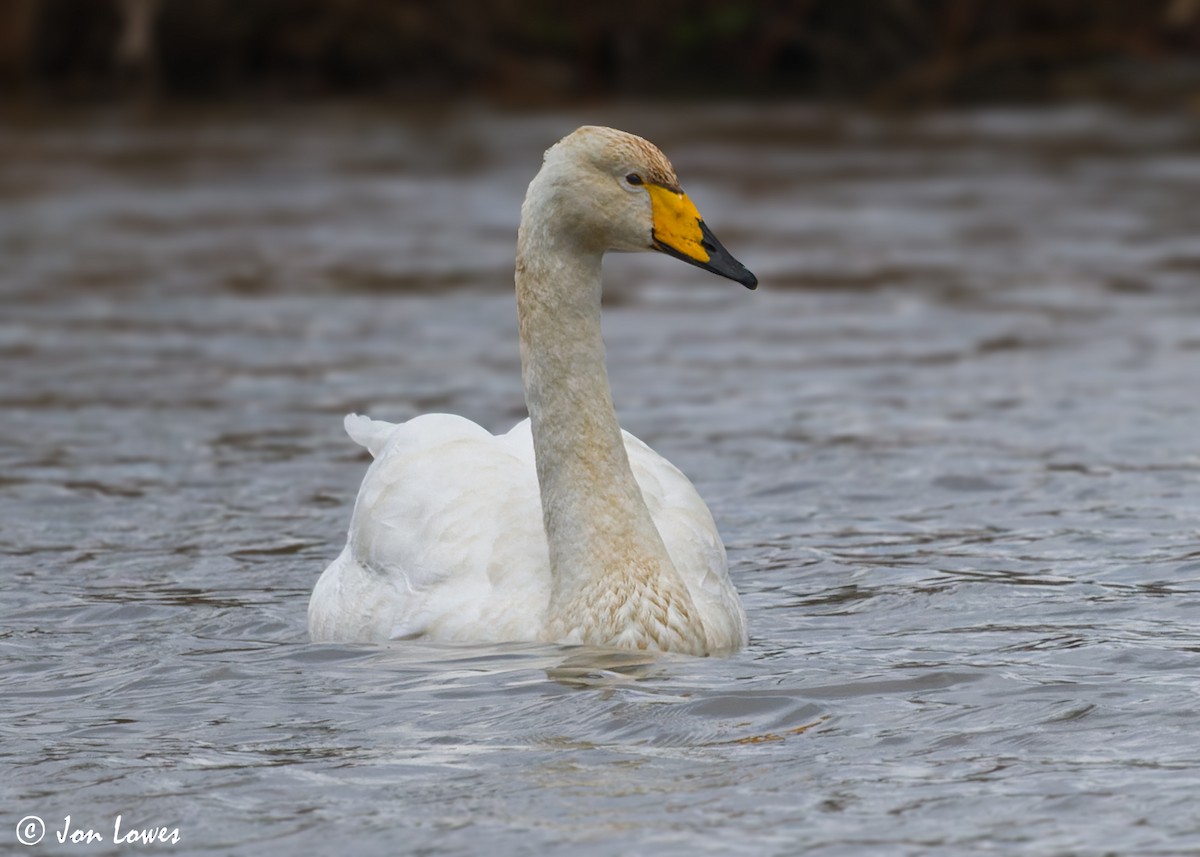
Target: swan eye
(634,179)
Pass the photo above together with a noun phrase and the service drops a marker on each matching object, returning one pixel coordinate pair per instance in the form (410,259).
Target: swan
(566,529)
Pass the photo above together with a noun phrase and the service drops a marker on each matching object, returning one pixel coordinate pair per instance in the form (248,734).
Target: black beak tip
(720,262)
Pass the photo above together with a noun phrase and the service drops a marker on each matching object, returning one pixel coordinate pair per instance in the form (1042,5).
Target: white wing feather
(446,541)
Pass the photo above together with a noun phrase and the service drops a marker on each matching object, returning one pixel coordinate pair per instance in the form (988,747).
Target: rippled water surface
(952,443)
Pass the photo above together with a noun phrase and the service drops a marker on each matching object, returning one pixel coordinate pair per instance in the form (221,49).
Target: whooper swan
(566,529)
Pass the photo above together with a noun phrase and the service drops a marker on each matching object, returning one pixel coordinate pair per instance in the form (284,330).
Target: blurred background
(364,144)
(884,52)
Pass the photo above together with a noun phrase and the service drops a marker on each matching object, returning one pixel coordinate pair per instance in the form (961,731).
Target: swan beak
(679,231)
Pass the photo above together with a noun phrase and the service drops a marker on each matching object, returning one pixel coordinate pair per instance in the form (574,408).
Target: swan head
(617,190)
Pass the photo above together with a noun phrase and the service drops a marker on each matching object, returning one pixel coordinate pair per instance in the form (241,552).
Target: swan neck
(578,444)
(597,524)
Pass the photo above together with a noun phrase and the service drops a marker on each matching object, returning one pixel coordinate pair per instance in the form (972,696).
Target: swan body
(566,529)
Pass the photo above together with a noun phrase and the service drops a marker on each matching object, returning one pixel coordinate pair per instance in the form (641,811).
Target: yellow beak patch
(677,222)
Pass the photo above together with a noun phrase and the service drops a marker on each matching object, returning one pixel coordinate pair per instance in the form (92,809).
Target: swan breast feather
(447,540)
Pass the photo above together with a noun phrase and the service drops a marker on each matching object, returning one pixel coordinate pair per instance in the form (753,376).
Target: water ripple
(950,445)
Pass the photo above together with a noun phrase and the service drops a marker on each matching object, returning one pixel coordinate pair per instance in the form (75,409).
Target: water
(951,444)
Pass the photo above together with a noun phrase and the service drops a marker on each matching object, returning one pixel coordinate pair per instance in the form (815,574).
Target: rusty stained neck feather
(614,582)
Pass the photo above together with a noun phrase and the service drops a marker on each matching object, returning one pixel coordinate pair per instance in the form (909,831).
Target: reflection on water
(951,444)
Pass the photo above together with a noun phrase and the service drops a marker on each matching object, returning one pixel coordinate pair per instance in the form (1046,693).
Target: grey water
(952,444)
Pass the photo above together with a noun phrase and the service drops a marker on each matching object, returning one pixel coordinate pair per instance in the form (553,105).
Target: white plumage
(446,541)
(565,529)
